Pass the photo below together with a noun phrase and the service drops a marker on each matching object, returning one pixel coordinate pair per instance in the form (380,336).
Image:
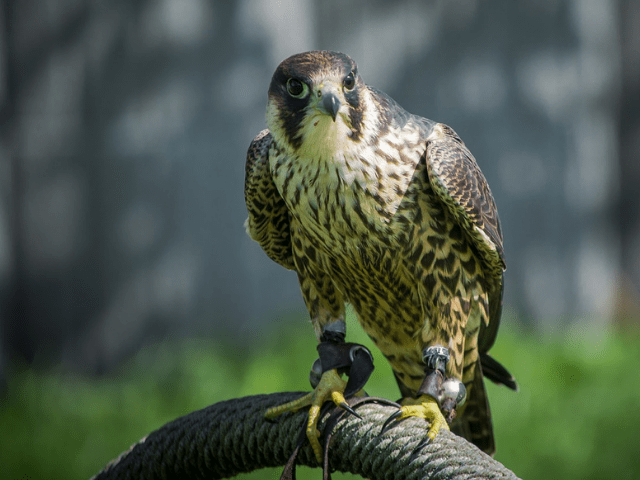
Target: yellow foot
(425,407)
(331,387)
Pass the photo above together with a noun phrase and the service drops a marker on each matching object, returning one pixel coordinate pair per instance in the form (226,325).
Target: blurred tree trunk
(14,341)
(628,302)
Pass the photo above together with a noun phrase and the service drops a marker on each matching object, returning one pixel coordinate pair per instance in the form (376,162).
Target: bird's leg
(450,392)
(336,358)
(434,394)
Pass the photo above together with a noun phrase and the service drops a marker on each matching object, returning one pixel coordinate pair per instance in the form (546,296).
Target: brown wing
(457,179)
(268,221)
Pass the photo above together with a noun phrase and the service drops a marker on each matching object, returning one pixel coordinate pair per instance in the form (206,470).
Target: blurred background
(130,293)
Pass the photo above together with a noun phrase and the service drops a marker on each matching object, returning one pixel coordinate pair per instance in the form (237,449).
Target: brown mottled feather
(388,211)
(268,221)
(456,177)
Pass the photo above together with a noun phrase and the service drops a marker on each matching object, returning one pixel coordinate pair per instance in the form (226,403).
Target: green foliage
(576,413)
(574,416)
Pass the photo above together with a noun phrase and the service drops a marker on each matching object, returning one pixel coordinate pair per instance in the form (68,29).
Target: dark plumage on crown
(304,65)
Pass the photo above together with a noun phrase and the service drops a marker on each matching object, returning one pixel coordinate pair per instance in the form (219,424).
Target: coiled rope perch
(233,436)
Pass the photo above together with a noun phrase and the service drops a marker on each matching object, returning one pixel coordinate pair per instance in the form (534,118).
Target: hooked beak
(330,104)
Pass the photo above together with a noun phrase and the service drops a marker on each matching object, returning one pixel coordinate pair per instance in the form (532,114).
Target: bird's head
(317,104)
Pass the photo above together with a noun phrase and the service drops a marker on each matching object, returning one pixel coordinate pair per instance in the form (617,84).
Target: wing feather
(456,178)
(268,221)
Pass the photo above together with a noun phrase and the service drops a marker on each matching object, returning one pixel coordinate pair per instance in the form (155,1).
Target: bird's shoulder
(452,171)
(396,117)
(268,220)
(456,177)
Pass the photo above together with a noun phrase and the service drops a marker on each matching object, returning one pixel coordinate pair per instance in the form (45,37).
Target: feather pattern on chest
(368,188)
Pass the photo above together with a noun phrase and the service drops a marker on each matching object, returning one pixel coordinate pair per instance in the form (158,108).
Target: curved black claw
(423,444)
(390,420)
(345,406)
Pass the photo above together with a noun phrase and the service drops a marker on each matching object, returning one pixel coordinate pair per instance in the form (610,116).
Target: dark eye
(349,81)
(296,88)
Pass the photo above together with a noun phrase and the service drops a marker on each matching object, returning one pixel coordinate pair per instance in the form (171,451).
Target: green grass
(575,416)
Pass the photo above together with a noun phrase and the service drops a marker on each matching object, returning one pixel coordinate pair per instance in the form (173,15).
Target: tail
(474,418)
(495,372)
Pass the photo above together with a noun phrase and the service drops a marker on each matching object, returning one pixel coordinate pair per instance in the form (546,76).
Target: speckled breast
(361,237)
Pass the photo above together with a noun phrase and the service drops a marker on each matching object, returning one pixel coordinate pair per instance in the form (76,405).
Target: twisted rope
(233,436)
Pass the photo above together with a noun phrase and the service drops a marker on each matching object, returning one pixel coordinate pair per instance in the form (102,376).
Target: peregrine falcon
(389,212)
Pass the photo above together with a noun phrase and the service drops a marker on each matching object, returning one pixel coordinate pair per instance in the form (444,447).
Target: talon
(345,406)
(390,420)
(338,398)
(330,388)
(335,358)
(423,407)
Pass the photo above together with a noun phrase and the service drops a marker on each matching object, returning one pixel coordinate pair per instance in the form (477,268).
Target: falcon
(388,211)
